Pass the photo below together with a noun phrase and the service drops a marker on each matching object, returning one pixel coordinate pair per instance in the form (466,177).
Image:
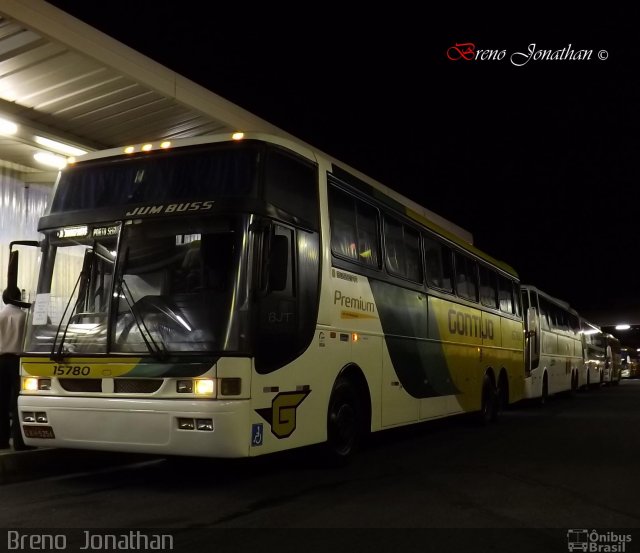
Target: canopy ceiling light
(59,146)
(50,160)
(7,127)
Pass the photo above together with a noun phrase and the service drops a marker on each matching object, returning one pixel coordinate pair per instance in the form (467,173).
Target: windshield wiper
(85,274)
(161,353)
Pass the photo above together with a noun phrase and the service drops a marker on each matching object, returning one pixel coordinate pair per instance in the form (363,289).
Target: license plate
(42,432)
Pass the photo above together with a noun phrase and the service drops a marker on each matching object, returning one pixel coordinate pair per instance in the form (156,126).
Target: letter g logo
(282,414)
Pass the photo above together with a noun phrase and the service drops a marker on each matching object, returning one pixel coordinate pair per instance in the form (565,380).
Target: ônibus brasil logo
(592,541)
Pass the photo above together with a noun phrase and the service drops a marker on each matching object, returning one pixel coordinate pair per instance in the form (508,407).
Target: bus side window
(525,300)
(391,257)
(466,277)
(544,314)
(516,299)
(505,293)
(412,255)
(343,228)
(402,250)
(438,265)
(551,315)
(367,227)
(488,287)
(290,183)
(354,229)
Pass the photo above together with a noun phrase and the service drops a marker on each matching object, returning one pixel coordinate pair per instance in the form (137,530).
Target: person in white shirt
(12,319)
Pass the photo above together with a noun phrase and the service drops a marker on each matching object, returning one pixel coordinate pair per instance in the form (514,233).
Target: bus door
(533,330)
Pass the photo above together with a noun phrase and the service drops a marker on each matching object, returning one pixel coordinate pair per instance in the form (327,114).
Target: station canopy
(64,81)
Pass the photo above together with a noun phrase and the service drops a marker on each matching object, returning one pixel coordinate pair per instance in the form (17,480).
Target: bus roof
(412,209)
(551,298)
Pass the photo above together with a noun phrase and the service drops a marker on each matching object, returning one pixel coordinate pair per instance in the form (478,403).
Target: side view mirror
(12,271)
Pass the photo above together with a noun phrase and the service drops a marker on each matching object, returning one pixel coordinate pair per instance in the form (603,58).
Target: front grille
(136,385)
(81,384)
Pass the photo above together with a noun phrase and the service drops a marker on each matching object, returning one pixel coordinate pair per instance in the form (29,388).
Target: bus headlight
(33,384)
(30,384)
(203,387)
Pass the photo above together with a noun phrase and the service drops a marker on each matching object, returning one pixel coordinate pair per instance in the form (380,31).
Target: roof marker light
(165,144)
(147,147)
(129,150)
(237,136)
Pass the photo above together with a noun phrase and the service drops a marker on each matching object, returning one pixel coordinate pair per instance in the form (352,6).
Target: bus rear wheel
(574,382)
(345,421)
(489,403)
(503,392)
(544,397)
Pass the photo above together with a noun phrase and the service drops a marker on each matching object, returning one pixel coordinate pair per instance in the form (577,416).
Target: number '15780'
(70,370)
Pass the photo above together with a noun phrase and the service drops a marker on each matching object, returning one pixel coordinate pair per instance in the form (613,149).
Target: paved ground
(538,472)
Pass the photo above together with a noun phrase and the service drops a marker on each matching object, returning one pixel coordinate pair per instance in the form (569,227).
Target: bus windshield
(153,287)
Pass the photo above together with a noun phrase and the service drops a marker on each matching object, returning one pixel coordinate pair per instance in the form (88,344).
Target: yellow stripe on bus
(355,315)
(79,367)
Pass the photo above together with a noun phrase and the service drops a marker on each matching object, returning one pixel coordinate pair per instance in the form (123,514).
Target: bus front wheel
(344,420)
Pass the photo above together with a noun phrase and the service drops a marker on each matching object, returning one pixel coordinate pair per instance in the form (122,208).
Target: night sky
(538,161)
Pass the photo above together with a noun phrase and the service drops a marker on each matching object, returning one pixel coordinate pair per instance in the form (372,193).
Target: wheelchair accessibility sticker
(256,435)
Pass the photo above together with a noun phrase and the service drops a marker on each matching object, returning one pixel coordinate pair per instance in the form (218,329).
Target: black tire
(345,421)
(503,393)
(574,382)
(489,402)
(544,398)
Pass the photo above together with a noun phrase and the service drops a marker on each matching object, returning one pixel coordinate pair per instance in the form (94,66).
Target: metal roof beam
(58,26)
(29,128)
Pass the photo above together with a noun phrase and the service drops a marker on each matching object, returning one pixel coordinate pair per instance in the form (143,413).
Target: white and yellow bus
(630,362)
(613,360)
(554,351)
(229,298)
(594,355)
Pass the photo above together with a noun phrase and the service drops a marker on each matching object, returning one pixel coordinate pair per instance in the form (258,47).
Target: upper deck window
(206,173)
